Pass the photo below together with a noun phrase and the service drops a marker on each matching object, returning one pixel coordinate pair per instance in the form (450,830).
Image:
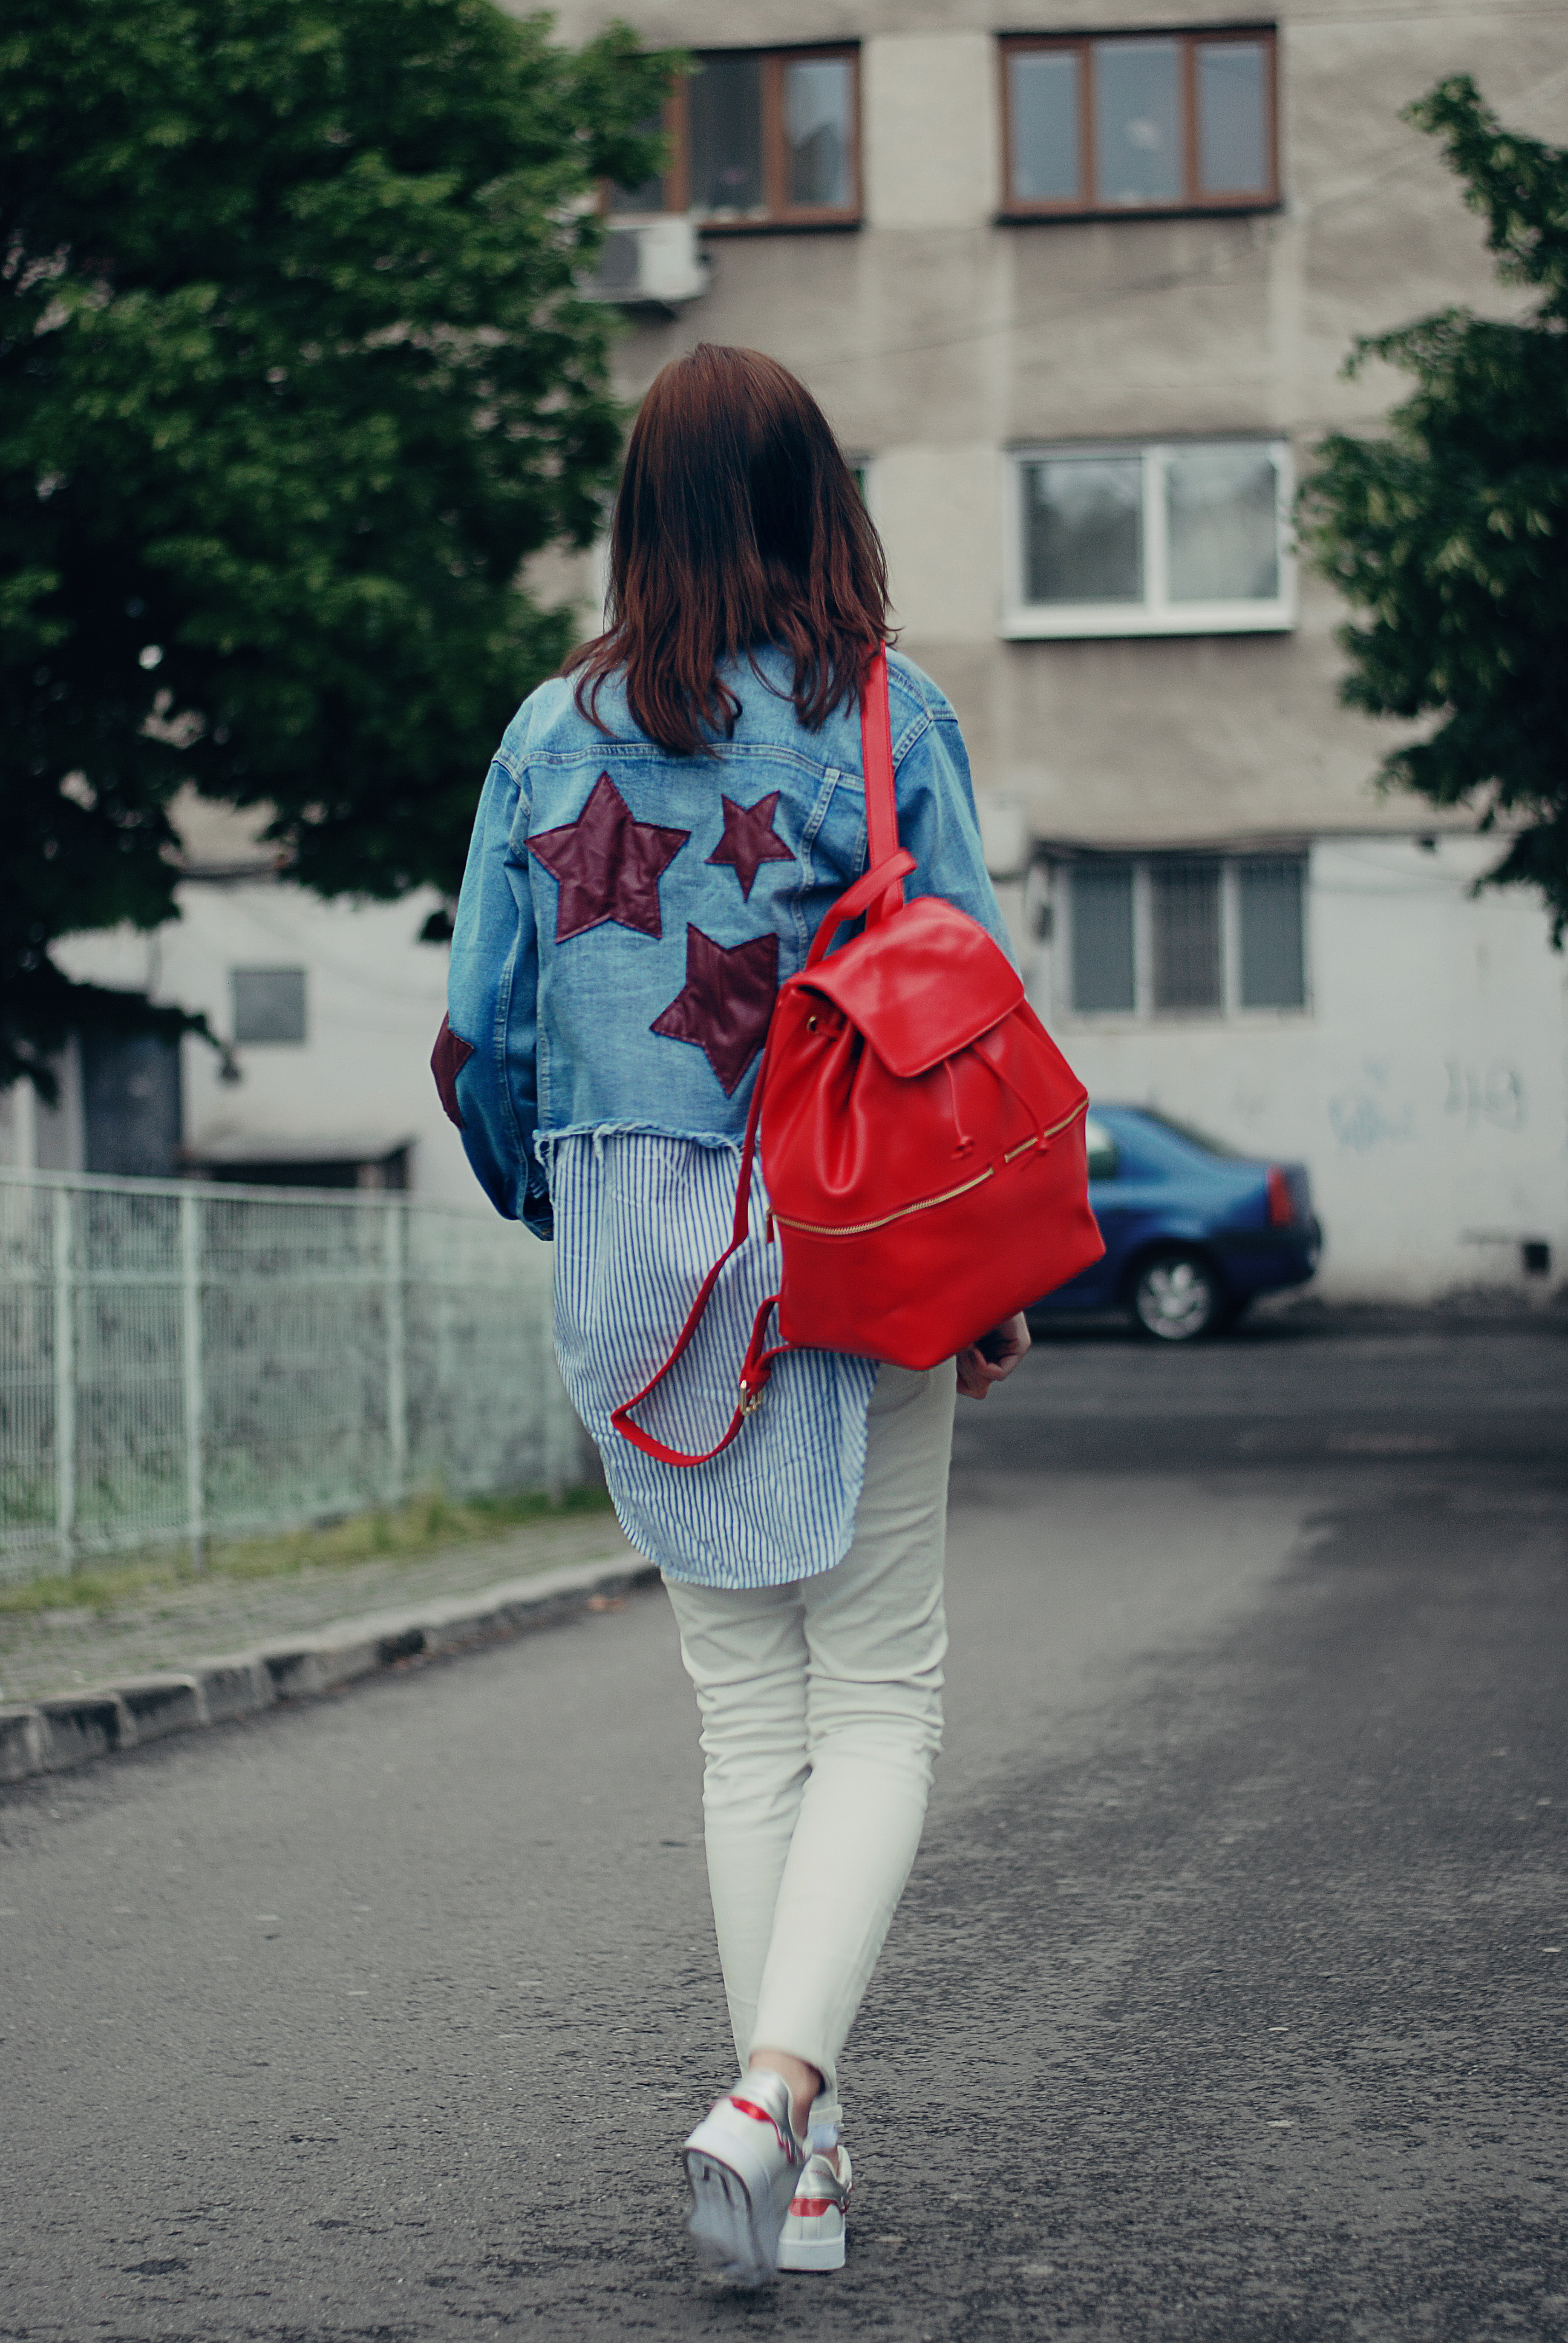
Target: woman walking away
(660,835)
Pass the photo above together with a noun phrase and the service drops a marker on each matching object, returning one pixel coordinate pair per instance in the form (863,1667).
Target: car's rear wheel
(1177,1297)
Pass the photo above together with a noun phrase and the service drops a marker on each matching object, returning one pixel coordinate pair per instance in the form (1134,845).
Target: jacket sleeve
(937,819)
(490,1085)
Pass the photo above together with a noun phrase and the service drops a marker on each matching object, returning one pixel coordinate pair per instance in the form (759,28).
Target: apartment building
(1075,285)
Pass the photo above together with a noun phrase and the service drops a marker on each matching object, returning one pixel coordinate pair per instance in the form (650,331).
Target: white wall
(35,1136)
(1425,1088)
(360,1085)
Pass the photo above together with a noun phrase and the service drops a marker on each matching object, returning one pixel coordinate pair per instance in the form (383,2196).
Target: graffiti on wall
(1366,1115)
(1369,1113)
(1495,1097)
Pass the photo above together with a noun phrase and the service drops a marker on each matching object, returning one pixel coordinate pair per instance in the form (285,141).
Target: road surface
(1227,1999)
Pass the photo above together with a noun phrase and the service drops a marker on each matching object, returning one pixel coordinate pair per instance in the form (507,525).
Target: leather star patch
(608,866)
(749,840)
(447,1059)
(726,1002)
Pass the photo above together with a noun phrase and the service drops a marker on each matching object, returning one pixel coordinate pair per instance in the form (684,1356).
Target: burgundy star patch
(608,865)
(447,1059)
(725,1003)
(749,840)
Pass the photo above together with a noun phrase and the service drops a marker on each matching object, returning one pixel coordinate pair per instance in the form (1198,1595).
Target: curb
(49,1736)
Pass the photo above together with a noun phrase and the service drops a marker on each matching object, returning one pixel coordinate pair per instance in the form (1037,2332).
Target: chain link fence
(179,1361)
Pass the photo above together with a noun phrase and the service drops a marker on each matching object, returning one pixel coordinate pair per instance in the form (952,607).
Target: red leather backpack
(922,1134)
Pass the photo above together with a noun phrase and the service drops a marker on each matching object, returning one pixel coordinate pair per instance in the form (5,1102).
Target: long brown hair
(738,524)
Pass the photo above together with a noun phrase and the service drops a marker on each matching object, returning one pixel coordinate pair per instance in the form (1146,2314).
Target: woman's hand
(977,1373)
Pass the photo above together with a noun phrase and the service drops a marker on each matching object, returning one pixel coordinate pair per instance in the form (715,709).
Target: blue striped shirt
(640,1218)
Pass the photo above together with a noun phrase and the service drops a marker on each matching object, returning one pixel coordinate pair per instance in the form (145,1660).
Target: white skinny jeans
(821,1716)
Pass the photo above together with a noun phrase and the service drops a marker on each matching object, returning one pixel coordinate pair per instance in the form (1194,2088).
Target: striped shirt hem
(640,1216)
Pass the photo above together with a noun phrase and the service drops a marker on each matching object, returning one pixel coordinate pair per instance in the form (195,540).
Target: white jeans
(822,1715)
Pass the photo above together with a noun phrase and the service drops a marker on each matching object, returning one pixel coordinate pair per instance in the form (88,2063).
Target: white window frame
(1230,1009)
(1155,615)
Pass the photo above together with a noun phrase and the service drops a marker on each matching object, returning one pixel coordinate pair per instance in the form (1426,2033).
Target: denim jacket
(627,915)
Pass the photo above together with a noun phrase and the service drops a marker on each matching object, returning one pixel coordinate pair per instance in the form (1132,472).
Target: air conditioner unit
(653,260)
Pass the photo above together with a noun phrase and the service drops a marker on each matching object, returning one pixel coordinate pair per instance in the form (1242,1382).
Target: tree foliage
(1449,533)
(292,375)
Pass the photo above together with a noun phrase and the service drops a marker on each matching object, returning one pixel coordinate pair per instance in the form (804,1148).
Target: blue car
(1192,1231)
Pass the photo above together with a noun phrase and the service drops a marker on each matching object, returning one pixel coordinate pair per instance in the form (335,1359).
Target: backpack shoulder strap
(877,766)
(758,1364)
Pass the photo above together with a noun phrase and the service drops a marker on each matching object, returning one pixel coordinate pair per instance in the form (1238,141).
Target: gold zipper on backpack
(867,1228)
(864,1227)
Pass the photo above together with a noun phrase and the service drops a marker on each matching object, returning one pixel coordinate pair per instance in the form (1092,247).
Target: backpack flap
(922,984)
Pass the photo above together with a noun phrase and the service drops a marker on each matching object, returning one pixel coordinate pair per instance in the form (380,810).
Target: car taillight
(1282,1202)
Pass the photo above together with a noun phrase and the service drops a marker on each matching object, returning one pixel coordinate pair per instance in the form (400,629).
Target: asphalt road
(1227,1999)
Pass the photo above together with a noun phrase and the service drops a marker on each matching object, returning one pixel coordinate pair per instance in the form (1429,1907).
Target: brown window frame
(1190,39)
(676,122)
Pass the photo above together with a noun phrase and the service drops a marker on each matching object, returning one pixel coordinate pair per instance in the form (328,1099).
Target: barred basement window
(1184,932)
(1103,973)
(1184,935)
(1269,913)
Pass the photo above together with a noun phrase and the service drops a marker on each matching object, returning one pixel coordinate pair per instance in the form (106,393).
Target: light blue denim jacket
(624,921)
(561,1017)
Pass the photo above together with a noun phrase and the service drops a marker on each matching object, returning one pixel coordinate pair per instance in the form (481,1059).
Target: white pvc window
(1181,537)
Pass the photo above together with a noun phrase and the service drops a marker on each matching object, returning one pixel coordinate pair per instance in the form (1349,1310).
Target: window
(627,202)
(1102,955)
(268,1004)
(1272,946)
(1188,538)
(1188,968)
(1104,1159)
(264,1170)
(1184,934)
(1143,122)
(760,138)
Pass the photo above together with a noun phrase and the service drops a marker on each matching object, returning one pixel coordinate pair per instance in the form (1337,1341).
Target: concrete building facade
(1075,285)
(1040,299)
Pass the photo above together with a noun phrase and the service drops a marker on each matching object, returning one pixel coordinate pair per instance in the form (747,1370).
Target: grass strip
(411,1532)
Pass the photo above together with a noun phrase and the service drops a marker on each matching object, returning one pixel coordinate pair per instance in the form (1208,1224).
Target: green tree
(292,375)
(1449,533)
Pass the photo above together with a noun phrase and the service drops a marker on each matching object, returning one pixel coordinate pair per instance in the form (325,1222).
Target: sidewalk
(156,1631)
